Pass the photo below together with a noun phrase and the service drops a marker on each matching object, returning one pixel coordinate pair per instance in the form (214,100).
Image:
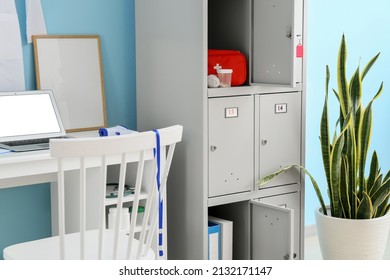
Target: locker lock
(264,141)
(288,256)
(213,148)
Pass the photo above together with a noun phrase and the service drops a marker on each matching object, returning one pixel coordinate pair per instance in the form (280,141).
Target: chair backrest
(150,154)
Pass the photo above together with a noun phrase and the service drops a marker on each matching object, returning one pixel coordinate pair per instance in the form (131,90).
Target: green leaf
(381,193)
(335,164)
(324,133)
(387,176)
(365,209)
(379,92)
(374,170)
(369,65)
(365,132)
(383,208)
(358,120)
(355,91)
(341,77)
(343,189)
(264,180)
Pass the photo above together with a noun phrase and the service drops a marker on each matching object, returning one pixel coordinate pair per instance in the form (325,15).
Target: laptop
(28,120)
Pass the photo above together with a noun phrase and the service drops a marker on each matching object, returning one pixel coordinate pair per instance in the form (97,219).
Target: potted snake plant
(358,193)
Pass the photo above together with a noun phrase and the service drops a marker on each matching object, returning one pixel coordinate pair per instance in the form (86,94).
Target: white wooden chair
(152,152)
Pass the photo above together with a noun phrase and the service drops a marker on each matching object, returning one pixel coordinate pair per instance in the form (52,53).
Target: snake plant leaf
(342,77)
(379,92)
(264,180)
(365,131)
(335,164)
(381,193)
(324,133)
(358,120)
(369,65)
(355,90)
(343,189)
(365,209)
(383,208)
(387,176)
(336,94)
(327,78)
(374,172)
(352,171)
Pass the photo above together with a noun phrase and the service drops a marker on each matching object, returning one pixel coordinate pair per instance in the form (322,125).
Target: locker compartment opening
(238,213)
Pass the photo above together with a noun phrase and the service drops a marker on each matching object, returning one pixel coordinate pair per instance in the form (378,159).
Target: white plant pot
(350,239)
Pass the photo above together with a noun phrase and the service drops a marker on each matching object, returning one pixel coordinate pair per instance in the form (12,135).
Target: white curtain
(11,56)
(35,22)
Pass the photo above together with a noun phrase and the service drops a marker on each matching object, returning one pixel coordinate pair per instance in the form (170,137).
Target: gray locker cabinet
(231,155)
(275,227)
(279,135)
(268,33)
(277,35)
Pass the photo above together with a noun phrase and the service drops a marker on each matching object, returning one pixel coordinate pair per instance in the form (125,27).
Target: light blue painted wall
(365,24)
(25,211)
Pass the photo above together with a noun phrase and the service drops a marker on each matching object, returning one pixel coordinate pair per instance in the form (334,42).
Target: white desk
(29,168)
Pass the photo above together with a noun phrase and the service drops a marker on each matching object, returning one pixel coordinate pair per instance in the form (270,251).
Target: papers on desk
(115,130)
(4,151)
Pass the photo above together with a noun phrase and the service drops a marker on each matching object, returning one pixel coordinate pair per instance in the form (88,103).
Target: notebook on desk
(28,120)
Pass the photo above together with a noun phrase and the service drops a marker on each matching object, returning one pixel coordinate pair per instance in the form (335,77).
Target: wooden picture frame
(71,66)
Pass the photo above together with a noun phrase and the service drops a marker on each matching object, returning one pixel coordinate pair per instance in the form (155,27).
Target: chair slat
(102,208)
(61,209)
(92,159)
(119,205)
(83,206)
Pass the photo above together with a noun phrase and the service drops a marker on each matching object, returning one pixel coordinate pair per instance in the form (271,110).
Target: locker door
(231,145)
(289,201)
(277,35)
(279,139)
(272,231)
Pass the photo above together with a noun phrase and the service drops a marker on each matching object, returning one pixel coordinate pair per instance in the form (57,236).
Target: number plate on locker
(231,112)
(281,108)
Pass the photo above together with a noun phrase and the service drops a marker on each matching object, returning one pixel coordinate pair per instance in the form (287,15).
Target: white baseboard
(310,230)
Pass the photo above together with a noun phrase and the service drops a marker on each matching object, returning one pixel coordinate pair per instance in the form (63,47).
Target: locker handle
(264,141)
(213,148)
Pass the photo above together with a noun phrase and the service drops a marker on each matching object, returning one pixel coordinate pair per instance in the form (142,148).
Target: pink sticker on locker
(299,50)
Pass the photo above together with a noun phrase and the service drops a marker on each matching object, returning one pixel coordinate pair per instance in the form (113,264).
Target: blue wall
(365,24)
(25,211)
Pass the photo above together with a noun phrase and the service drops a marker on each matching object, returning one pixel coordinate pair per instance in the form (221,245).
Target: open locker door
(272,231)
(277,47)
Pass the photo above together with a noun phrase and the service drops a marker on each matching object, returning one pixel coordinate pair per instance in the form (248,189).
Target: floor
(312,247)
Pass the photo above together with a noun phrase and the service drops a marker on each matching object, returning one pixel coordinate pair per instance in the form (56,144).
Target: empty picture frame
(71,66)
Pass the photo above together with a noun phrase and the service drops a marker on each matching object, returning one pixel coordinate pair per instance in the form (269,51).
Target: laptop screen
(29,115)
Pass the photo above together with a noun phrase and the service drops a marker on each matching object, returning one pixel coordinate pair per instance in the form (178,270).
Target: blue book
(214,232)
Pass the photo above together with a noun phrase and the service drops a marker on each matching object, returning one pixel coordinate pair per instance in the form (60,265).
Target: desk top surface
(15,157)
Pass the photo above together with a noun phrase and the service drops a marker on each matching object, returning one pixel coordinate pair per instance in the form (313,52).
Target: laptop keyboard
(27,142)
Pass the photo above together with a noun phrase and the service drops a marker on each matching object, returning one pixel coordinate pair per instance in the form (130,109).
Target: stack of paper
(226,237)
(214,241)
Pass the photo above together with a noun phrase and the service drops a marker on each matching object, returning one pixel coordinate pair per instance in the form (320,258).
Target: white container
(125,218)
(350,239)
(140,214)
(225,77)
